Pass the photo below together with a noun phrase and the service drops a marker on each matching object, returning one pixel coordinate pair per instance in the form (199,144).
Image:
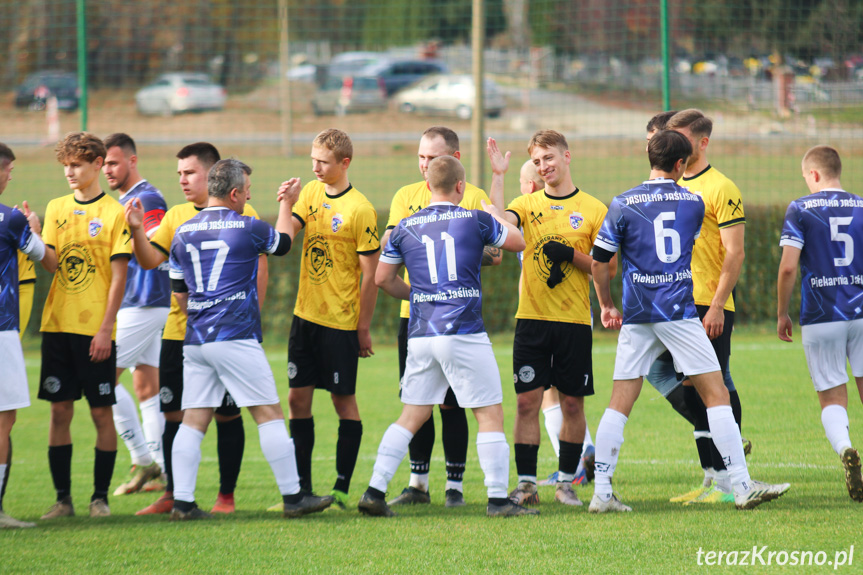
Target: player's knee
(572,406)
(61,413)
(527,404)
(346,406)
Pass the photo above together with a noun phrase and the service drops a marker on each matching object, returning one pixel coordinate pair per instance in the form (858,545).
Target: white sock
(420,481)
(834,418)
(129,428)
(553,423)
(186,457)
(391,451)
(153,424)
(279,452)
(609,438)
(493,452)
(726,438)
(588,440)
(723,481)
(709,474)
(457,485)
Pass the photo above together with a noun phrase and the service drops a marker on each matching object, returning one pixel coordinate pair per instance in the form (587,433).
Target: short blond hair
(336,141)
(824,159)
(444,172)
(699,124)
(547,139)
(81,146)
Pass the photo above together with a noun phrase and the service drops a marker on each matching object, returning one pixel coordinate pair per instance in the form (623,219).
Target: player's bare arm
(288,194)
(387,278)
(368,299)
(148,257)
(784,287)
(610,315)
(100,346)
(732,238)
(514,239)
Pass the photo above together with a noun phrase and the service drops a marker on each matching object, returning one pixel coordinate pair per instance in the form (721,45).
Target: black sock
(376,493)
(60,463)
(293,498)
(736,408)
(421,446)
(525,458)
(230,443)
(455,438)
(303,434)
(4,481)
(497,501)
(103,470)
(699,413)
(184,506)
(171,429)
(347,449)
(678,402)
(570,455)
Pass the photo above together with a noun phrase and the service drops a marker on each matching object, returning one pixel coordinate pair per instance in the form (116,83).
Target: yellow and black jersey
(26,269)
(411,199)
(723,207)
(175,327)
(574,221)
(338,230)
(86,236)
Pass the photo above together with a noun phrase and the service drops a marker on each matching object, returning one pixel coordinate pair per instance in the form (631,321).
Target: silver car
(349,94)
(449,94)
(180,92)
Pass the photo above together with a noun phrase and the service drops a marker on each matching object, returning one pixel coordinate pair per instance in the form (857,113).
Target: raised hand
(499,162)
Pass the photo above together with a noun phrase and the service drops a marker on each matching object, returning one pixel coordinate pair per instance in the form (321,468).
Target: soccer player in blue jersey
(140,321)
(654,227)
(15,234)
(214,264)
(823,233)
(442,247)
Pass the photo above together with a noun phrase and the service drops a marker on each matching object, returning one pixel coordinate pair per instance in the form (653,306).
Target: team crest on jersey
(166,396)
(575,220)
(338,222)
(319,260)
(76,270)
(95,227)
(51,384)
(541,264)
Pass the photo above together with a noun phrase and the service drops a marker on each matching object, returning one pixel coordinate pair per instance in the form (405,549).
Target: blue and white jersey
(216,254)
(828,229)
(654,227)
(14,235)
(442,247)
(147,288)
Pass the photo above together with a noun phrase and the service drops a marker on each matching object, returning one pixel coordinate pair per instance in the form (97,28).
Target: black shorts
(553,354)
(323,357)
(722,344)
(449,399)
(67,371)
(171,381)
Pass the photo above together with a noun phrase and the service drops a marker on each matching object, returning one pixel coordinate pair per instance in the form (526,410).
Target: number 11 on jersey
(449,248)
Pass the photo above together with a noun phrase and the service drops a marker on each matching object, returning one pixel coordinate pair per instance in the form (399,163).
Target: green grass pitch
(658,460)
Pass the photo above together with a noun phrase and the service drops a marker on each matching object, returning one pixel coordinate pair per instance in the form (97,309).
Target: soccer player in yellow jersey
(435,142)
(716,263)
(553,339)
(87,248)
(335,302)
(193,164)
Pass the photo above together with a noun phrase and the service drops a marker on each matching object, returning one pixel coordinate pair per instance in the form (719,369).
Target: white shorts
(14,393)
(139,335)
(827,345)
(463,362)
(239,367)
(639,344)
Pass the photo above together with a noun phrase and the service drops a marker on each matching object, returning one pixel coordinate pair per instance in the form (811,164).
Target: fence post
(666,68)
(81,13)
(477,122)
(284,83)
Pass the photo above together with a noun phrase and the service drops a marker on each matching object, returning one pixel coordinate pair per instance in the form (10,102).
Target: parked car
(180,92)
(398,74)
(349,94)
(449,94)
(349,64)
(36,89)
